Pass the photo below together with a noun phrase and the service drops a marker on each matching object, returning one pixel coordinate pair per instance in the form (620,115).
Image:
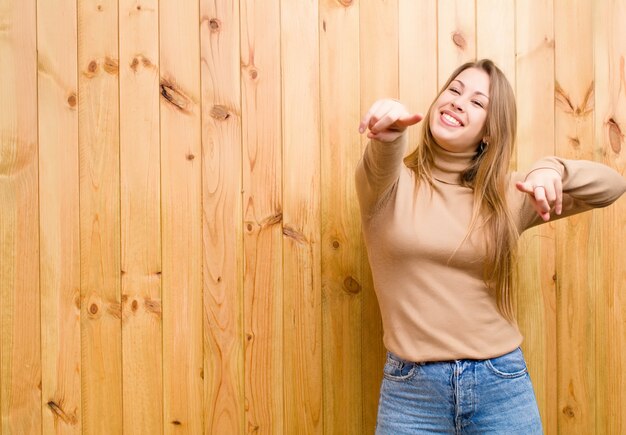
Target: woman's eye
(478,103)
(455,91)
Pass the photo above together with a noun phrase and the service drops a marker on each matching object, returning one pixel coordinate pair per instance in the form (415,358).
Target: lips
(451,119)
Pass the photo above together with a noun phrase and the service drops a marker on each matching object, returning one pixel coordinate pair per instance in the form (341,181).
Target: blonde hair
(487,175)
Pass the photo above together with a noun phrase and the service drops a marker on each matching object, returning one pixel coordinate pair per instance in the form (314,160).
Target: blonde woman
(441,227)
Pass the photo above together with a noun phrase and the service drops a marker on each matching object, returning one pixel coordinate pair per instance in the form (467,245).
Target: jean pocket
(510,365)
(397,369)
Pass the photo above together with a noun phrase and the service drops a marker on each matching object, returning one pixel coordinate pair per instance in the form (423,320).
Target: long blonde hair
(487,175)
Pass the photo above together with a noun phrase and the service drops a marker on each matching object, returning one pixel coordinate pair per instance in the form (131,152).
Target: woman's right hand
(387,119)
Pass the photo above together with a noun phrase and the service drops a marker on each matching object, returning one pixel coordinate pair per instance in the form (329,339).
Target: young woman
(441,227)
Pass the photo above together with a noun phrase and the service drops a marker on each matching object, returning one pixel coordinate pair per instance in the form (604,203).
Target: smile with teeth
(450,120)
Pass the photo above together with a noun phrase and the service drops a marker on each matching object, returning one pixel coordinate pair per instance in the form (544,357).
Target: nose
(456,106)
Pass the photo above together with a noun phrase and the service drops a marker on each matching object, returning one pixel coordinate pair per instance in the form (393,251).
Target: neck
(448,166)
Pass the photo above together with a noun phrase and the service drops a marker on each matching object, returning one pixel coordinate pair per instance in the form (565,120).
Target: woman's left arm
(565,187)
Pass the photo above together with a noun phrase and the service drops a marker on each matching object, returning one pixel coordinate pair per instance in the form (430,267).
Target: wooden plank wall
(180,246)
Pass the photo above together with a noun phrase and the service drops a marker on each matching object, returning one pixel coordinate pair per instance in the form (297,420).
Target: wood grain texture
(59,225)
(301,216)
(536,289)
(456,40)
(342,247)
(263,216)
(181,214)
(140,194)
(222,218)
(379,51)
(180,239)
(574,115)
(98,118)
(608,243)
(417,63)
(495,38)
(20,353)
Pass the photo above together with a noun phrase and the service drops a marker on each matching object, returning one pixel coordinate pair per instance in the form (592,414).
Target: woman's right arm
(379,167)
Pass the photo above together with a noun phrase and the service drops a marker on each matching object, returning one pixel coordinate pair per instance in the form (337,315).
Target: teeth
(450,119)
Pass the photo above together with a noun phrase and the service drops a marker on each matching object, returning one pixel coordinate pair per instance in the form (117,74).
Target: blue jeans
(492,396)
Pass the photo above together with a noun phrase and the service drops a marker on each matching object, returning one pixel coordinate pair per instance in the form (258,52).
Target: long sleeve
(378,171)
(586,185)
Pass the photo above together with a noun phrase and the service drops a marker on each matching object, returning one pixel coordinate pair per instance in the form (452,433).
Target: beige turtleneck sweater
(434,307)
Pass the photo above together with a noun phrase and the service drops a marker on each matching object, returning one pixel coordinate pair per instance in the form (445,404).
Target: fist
(387,119)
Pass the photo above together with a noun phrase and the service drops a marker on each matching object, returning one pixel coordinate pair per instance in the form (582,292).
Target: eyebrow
(477,92)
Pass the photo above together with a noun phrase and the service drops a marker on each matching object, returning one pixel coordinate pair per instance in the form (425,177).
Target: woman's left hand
(545,188)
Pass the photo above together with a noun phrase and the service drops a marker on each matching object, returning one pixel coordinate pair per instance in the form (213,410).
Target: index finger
(558,187)
(540,197)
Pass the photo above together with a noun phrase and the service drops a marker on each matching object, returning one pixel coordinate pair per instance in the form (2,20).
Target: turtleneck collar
(448,166)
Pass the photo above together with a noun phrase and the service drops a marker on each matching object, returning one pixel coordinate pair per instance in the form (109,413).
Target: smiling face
(458,115)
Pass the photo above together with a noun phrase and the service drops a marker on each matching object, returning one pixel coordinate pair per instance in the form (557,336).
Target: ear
(486,140)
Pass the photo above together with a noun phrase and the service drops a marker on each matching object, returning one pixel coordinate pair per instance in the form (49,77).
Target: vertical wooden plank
(456,20)
(98,120)
(59,225)
(140,217)
(20,353)
(379,79)
(574,115)
(181,214)
(495,40)
(263,215)
(342,247)
(222,218)
(417,47)
(301,217)
(610,224)
(536,288)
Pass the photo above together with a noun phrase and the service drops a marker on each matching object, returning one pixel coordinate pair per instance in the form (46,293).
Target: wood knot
(176,423)
(335,244)
(100,8)
(574,141)
(294,234)
(190,157)
(138,7)
(92,67)
(220,113)
(175,96)
(351,285)
(459,40)
(111,66)
(58,412)
(615,136)
(569,411)
(214,24)
(134,64)
(152,306)
(134,305)
(253,73)
(93,309)
(71,100)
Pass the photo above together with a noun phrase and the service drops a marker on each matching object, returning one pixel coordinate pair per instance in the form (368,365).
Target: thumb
(524,186)
(409,120)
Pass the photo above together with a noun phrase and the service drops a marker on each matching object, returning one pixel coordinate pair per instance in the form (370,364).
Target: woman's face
(458,117)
